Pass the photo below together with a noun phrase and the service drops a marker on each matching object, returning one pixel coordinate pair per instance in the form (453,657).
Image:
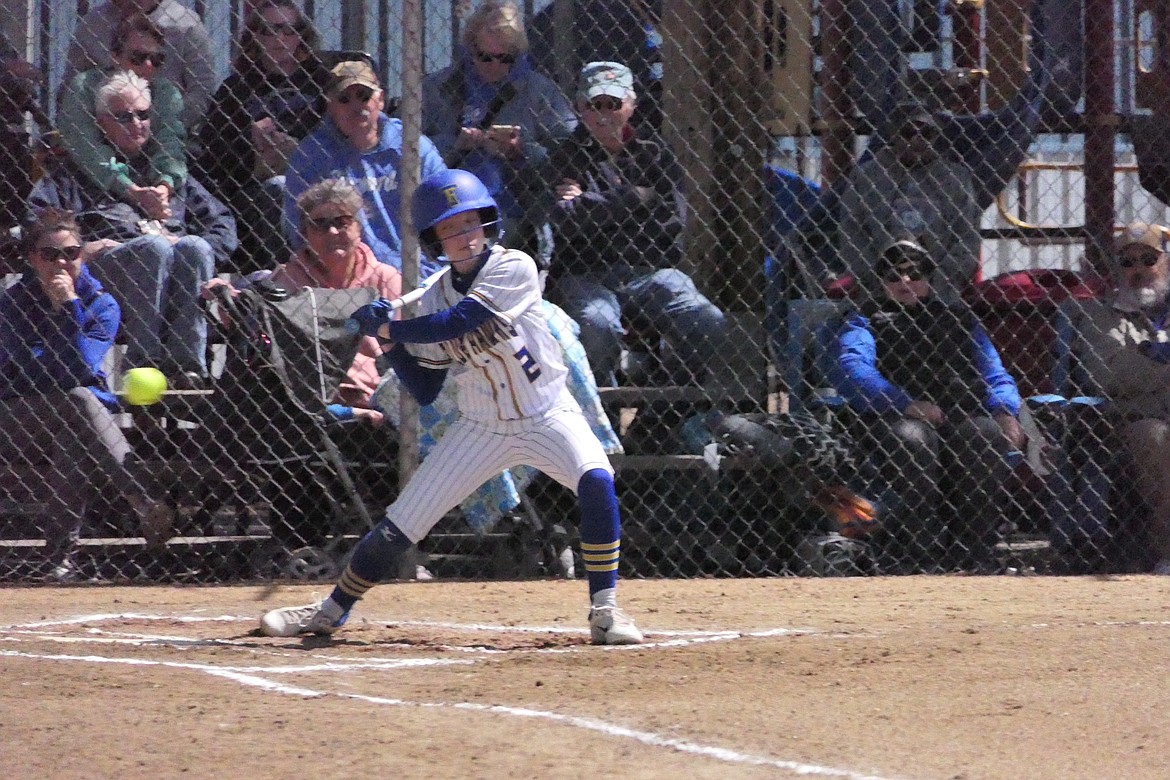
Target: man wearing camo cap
(618,220)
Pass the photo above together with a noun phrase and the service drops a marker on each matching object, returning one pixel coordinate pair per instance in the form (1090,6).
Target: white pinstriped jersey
(510,367)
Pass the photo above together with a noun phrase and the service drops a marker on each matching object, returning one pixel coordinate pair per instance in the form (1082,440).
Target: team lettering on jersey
(484,338)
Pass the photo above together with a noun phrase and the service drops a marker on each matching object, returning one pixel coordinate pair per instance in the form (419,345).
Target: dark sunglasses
(894,275)
(361,95)
(126,117)
(505,58)
(605,104)
(279,28)
(924,129)
(141,57)
(341,222)
(52,254)
(1148,259)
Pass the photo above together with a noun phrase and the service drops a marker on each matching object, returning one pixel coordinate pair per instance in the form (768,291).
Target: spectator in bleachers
(273,427)
(334,257)
(358,142)
(56,326)
(274,97)
(937,409)
(909,188)
(627,31)
(1124,346)
(618,221)
(492,114)
(19,82)
(137,47)
(188,61)
(155,267)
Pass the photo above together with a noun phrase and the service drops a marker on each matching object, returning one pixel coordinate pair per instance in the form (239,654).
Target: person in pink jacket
(335,257)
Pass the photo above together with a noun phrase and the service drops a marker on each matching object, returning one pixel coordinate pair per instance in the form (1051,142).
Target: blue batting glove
(1159,352)
(370,317)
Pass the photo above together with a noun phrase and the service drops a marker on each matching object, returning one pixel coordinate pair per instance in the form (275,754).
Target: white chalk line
(677,638)
(244,676)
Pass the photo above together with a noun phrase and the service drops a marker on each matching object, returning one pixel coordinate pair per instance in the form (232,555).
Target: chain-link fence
(841,286)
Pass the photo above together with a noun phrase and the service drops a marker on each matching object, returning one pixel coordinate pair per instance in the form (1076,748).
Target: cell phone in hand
(504,131)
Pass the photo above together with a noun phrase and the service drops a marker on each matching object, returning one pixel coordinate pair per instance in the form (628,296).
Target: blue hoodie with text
(327,154)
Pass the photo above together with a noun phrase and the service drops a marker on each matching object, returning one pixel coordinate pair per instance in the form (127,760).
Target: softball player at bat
(483,324)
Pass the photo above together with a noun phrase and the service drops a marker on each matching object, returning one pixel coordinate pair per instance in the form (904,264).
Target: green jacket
(87,146)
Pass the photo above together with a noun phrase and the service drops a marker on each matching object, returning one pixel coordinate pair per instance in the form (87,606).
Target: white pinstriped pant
(558,442)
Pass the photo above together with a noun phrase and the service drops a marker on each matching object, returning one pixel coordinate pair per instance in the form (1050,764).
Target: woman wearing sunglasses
(56,326)
(492,114)
(274,97)
(936,413)
(137,47)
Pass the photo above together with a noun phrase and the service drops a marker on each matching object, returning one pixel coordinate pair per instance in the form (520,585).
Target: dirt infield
(911,677)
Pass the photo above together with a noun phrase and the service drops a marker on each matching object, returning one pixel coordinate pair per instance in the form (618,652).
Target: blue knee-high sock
(601,529)
(375,556)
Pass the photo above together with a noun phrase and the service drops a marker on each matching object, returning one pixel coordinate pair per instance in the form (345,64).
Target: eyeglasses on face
(341,223)
(605,103)
(51,254)
(279,28)
(1148,259)
(157,58)
(126,117)
(505,58)
(359,95)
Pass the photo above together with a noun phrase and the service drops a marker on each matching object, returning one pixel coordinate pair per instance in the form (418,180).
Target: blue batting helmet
(449,193)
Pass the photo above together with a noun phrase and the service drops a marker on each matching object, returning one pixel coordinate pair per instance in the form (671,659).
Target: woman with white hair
(491,113)
(136,47)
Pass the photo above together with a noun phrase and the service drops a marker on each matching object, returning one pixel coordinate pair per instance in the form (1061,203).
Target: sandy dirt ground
(912,677)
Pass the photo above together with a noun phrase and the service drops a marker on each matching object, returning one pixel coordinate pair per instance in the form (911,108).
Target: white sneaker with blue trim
(321,618)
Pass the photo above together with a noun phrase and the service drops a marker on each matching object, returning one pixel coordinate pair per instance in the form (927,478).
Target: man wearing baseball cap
(909,187)
(938,411)
(618,221)
(1123,343)
(358,142)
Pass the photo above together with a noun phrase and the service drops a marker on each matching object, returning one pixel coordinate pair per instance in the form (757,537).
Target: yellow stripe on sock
(353,585)
(600,557)
(601,567)
(604,547)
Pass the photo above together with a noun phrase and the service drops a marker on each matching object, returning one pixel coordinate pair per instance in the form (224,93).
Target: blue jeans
(665,301)
(157,284)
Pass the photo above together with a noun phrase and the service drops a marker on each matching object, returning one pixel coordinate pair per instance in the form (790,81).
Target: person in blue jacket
(154,265)
(937,408)
(56,410)
(356,141)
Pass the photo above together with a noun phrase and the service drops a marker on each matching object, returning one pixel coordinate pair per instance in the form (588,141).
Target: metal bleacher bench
(740,379)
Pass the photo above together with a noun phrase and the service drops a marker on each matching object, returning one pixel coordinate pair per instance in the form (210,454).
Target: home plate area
(910,677)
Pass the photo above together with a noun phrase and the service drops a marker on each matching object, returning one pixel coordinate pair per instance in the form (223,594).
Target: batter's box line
(676,638)
(575,721)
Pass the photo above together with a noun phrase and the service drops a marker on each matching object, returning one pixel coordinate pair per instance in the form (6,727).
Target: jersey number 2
(528,363)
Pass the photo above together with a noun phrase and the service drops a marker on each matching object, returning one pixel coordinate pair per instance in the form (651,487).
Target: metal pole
(837,138)
(353,25)
(408,177)
(1100,132)
(968,41)
(565,43)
